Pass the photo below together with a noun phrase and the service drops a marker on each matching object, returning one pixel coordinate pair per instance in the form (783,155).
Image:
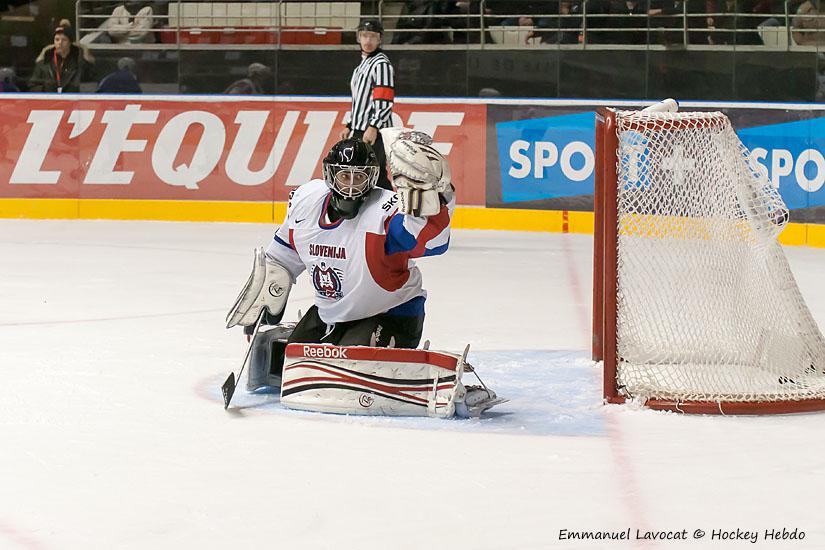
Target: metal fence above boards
(485,24)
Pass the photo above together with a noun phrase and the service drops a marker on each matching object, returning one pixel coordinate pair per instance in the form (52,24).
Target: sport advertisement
(542,157)
(223,149)
(206,148)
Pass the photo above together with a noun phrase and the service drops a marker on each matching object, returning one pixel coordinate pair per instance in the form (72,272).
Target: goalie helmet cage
(695,308)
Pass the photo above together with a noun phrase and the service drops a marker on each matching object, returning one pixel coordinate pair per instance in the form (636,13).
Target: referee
(373,92)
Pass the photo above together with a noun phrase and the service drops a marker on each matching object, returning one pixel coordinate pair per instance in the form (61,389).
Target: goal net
(696,306)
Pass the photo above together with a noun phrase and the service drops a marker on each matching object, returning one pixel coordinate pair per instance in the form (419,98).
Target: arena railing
(319,25)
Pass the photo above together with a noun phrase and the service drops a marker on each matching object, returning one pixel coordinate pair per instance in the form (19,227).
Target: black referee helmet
(371,25)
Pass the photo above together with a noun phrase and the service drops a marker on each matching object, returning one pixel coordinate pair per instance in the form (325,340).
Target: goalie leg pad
(268,287)
(373,381)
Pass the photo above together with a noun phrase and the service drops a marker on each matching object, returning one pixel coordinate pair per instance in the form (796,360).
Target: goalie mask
(351,172)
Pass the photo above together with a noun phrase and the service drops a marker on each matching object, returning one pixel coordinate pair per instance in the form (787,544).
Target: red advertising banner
(207,148)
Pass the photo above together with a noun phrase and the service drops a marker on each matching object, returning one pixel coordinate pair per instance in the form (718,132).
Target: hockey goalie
(354,351)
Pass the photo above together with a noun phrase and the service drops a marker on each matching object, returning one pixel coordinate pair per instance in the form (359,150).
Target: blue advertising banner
(547,158)
(791,154)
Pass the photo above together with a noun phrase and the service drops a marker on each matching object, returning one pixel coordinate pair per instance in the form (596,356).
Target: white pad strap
(372,381)
(268,287)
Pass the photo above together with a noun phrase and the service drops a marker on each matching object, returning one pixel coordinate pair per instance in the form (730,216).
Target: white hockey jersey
(359,267)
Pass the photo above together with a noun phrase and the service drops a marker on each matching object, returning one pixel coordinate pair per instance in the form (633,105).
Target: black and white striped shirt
(372,93)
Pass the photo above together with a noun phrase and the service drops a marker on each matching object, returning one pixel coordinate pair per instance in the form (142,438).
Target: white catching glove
(420,174)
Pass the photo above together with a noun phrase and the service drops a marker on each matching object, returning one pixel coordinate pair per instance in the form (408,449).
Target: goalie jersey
(363,266)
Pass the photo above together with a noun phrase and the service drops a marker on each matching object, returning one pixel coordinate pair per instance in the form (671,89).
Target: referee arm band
(383,92)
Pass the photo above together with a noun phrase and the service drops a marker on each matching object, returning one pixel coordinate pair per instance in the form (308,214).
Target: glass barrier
(713,49)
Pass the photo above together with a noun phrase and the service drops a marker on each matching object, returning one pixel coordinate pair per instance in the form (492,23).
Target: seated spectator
(661,18)
(596,21)
(121,28)
(697,21)
(259,80)
(61,66)
(515,13)
(632,27)
(559,30)
(7,78)
(421,22)
(463,32)
(808,26)
(733,19)
(121,81)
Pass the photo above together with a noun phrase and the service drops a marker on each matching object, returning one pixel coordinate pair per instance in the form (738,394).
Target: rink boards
(518,164)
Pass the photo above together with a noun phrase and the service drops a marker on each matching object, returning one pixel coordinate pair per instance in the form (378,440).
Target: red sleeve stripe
(383,92)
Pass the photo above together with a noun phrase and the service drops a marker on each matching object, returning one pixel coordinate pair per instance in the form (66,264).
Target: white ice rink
(113,434)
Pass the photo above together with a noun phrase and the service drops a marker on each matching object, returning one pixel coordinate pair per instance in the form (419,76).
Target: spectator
(808,26)
(61,66)
(7,80)
(121,27)
(515,13)
(661,20)
(732,20)
(259,80)
(489,92)
(564,29)
(697,21)
(421,22)
(466,30)
(121,81)
(633,24)
(596,19)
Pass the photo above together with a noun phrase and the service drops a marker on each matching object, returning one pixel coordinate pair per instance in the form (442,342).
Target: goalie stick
(228,387)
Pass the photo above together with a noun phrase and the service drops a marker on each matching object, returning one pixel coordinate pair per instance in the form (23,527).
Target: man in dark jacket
(59,67)
(7,80)
(122,81)
(259,80)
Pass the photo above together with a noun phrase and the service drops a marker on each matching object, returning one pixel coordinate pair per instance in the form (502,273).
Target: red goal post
(695,308)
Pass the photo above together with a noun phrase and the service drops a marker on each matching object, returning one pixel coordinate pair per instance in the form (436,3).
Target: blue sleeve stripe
(281,241)
(398,238)
(437,250)
(410,308)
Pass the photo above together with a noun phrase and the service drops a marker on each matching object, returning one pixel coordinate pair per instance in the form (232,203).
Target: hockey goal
(695,306)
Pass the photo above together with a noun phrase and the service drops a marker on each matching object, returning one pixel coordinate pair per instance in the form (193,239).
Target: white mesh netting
(708,309)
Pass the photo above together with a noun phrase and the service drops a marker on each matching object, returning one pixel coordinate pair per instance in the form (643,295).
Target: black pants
(406,331)
(378,147)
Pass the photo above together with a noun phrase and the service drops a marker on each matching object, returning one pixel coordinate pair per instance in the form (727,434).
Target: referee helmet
(371,25)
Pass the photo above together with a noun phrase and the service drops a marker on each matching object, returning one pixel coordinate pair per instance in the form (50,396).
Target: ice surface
(113,433)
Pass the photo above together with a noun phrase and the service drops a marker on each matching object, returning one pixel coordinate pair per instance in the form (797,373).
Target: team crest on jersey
(327,281)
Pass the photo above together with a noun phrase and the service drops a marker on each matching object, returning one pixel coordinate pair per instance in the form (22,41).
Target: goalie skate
(477,400)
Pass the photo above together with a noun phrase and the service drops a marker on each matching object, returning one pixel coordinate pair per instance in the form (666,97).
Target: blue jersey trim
(398,238)
(321,222)
(281,241)
(410,308)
